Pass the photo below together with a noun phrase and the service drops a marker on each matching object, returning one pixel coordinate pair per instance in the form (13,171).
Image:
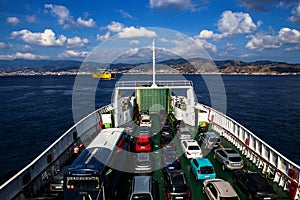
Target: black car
(256,186)
(166,128)
(170,160)
(176,185)
(166,140)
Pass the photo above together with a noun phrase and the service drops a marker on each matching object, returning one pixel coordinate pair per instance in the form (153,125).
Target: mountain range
(196,65)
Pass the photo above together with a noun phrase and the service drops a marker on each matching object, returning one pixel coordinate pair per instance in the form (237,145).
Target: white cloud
(90,23)
(46,38)
(134,42)
(103,37)
(296,15)
(27,48)
(62,13)
(233,23)
(76,42)
(115,27)
(132,32)
(28,56)
(73,54)
(13,20)
(286,36)
(173,4)
(126,14)
(2,45)
(31,19)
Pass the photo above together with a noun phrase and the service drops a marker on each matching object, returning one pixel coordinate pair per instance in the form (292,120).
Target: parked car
(184,133)
(229,159)
(56,184)
(176,185)
(254,184)
(210,140)
(218,189)
(170,160)
(144,112)
(145,121)
(191,149)
(145,130)
(166,140)
(202,168)
(166,128)
(142,188)
(143,144)
(143,163)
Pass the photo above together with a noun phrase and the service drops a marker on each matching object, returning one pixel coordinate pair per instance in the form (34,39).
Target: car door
(211,192)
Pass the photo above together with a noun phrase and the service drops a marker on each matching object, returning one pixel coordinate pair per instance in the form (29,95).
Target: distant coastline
(20,67)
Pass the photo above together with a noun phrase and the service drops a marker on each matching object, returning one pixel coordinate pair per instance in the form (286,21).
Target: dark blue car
(170,160)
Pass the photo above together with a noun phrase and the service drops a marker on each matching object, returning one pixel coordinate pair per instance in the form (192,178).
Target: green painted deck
(196,186)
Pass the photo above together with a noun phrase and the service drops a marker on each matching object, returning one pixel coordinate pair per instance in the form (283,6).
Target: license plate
(267,198)
(171,167)
(178,197)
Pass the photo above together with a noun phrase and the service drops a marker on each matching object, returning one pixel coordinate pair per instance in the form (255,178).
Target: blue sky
(246,30)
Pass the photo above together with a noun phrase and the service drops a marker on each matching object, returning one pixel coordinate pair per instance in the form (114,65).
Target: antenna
(153,64)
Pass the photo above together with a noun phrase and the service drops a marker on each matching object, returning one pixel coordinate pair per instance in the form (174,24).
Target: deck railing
(134,84)
(279,168)
(32,177)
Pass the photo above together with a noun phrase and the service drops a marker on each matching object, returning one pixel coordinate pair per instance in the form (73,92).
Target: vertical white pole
(153,63)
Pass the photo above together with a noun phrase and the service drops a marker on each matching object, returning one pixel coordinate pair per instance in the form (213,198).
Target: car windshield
(141,196)
(193,148)
(143,143)
(144,163)
(145,120)
(235,159)
(185,133)
(206,170)
(229,198)
(213,139)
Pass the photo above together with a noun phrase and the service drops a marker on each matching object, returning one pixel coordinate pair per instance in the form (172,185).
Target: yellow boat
(104,74)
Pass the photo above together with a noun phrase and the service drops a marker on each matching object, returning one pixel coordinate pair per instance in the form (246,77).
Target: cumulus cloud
(18,55)
(13,20)
(103,37)
(90,23)
(76,42)
(285,36)
(73,54)
(134,42)
(295,15)
(231,24)
(46,38)
(172,4)
(115,27)
(132,32)
(62,13)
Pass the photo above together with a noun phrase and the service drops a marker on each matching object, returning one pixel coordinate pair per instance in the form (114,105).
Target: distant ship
(104,74)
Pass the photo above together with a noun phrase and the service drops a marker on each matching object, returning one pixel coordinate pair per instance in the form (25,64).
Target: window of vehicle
(141,196)
(235,159)
(229,198)
(180,188)
(196,163)
(193,148)
(206,170)
(212,190)
(222,154)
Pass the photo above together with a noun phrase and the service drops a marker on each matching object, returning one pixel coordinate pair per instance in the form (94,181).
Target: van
(210,140)
(141,188)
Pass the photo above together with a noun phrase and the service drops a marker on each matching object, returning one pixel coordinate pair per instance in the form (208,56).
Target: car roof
(143,156)
(258,179)
(211,134)
(184,129)
(224,188)
(177,177)
(141,184)
(203,162)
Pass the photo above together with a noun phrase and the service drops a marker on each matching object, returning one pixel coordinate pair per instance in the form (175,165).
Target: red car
(143,144)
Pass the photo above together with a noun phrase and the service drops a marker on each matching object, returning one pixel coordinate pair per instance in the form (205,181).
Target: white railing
(266,158)
(30,179)
(134,84)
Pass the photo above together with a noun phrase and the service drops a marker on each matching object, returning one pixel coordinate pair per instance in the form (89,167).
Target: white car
(191,149)
(218,189)
(145,121)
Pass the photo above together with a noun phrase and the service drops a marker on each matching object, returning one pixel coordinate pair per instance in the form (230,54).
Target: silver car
(184,133)
(210,140)
(229,158)
(218,189)
(143,163)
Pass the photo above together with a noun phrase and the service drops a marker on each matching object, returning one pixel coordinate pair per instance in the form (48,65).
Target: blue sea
(36,110)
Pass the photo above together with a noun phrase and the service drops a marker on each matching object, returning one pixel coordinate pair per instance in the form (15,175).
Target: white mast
(153,64)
